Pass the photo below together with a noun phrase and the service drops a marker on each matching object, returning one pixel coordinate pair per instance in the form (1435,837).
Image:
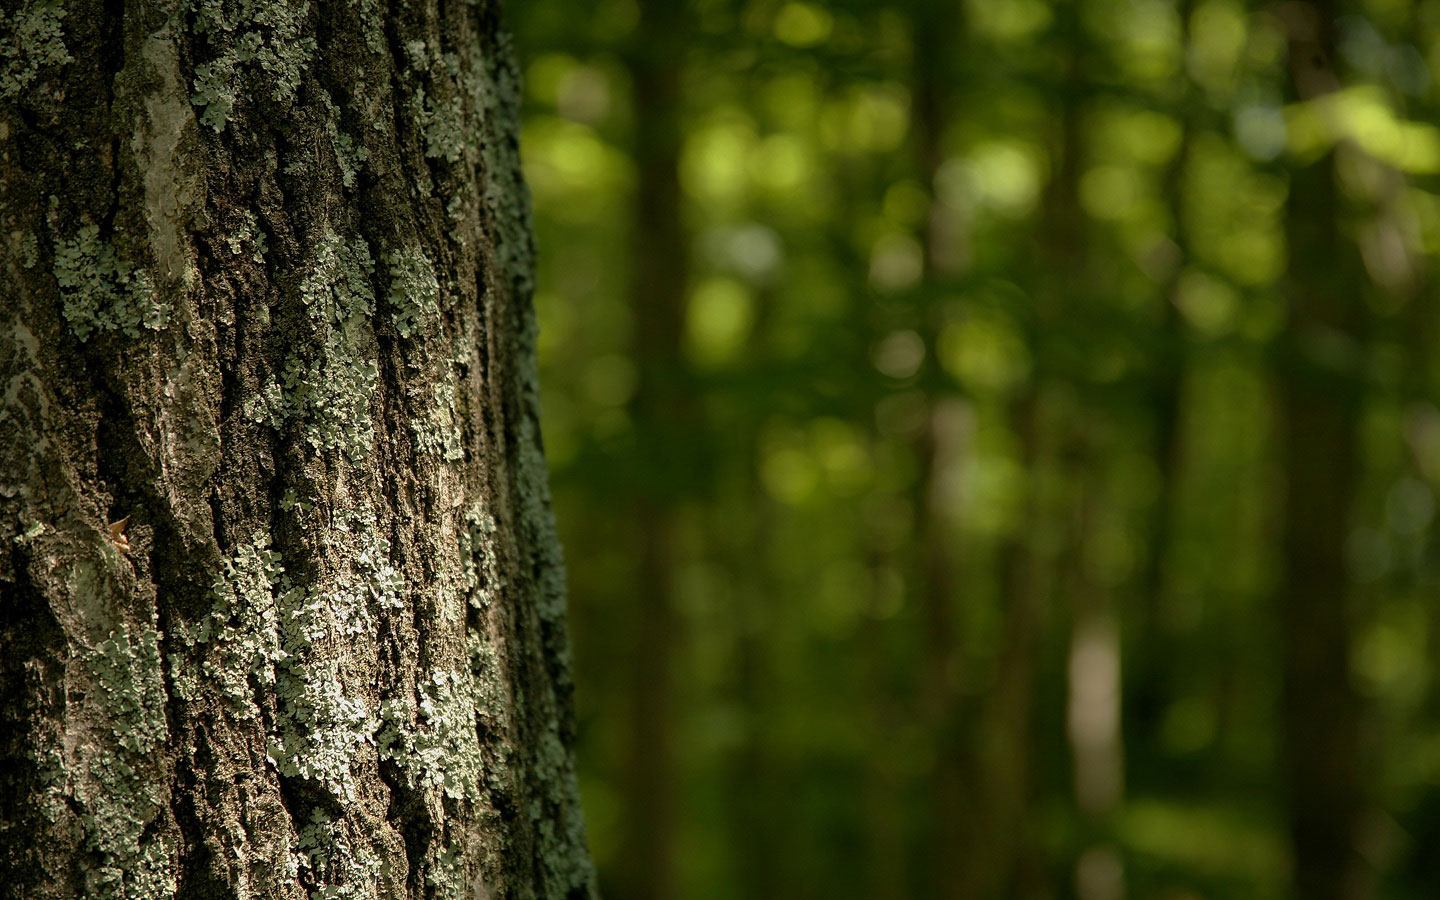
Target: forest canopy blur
(995,443)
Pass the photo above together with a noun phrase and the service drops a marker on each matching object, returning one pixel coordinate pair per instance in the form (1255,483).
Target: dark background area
(995,443)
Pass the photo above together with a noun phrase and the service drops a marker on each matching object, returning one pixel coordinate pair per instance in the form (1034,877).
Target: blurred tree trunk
(757,797)
(1093,705)
(660,256)
(937,36)
(1151,673)
(1006,756)
(885,827)
(757,801)
(1321,396)
(283,611)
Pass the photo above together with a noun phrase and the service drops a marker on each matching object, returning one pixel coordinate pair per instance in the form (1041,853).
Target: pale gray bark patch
(281,601)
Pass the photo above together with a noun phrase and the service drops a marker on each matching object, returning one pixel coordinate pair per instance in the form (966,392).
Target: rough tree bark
(281,608)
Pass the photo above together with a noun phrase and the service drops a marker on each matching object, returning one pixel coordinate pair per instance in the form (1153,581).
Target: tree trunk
(660,250)
(283,611)
(1321,396)
(1150,673)
(938,35)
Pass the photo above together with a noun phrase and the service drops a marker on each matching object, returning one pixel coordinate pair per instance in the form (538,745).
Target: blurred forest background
(996,442)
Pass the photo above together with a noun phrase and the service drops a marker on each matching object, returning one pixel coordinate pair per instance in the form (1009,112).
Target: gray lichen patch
(255,45)
(344,868)
(349,155)
(241,633)
(102,291)
(438,434)
(414,293)
(31,40)
(327,392)
(129,672)
(327,719)
(493,83)
(248,236)
(443,122)
(292,653)
(29,251)
(288,640)
(439,111)
(437,751)
(130,870)
(480,565)
(120,800)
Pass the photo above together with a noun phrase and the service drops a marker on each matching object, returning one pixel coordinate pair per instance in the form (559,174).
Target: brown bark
(283,612)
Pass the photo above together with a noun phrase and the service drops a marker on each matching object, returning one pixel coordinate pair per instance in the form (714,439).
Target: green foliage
(993,303)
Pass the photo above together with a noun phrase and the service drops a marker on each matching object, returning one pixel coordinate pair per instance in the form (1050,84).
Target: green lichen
(372,20)
(254,45)
(119,801)
(31,39)
(443,124)
(267,407)
(442,119)
(147,873)
(492,699)
(439,434)
(414,294)
(34,530)
(439,751)
(349,155)
(455,208)
(479,564)
(248,235)
(242,628)
(101,291)
(323,727)
(437,431)
(29,251)
(493,83)
(327,854)
(128,671)
(327,390)
(265,632)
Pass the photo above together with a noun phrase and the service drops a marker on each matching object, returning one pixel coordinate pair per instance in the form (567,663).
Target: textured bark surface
(281,608)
